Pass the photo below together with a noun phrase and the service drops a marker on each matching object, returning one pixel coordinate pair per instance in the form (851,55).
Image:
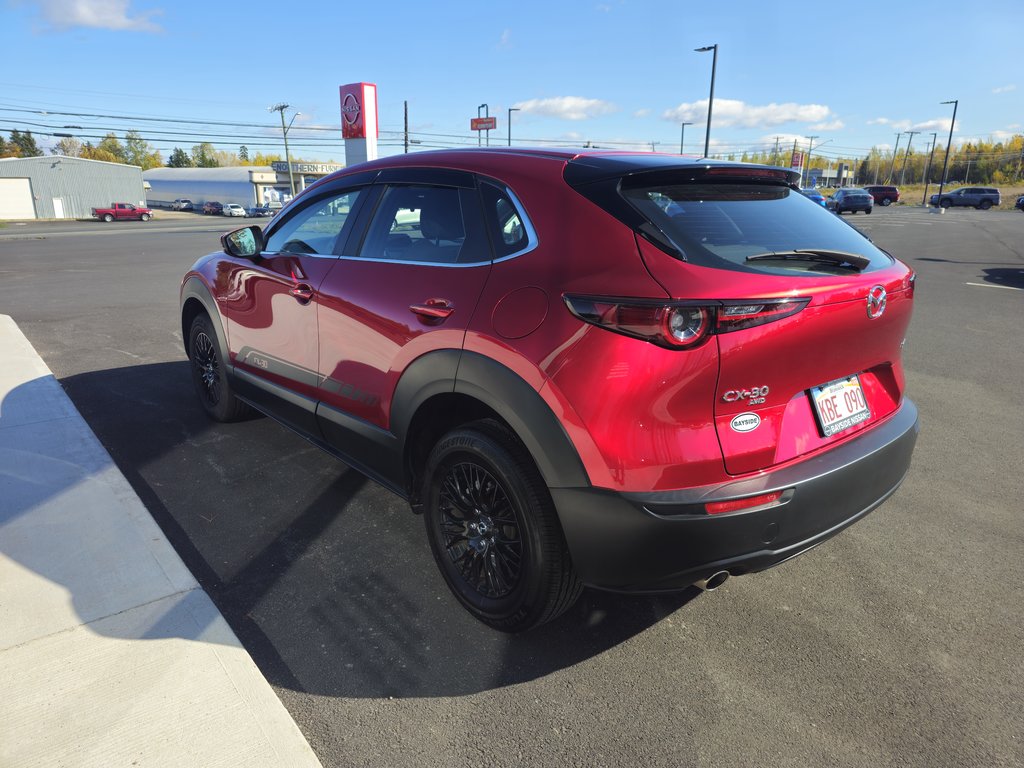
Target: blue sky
(617,73)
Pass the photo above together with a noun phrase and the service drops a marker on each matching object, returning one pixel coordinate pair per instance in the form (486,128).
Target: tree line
(134,150)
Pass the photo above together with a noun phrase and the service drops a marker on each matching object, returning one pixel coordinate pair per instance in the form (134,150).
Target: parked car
(850,199)
(1019,205)
(976,197)
(582,368)
(181,204)
(123,211)
(232,209)
(814,195)
(212,208)
(883,194)
(257,211)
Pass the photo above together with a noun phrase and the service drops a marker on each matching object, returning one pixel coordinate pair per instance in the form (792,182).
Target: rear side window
(428,225)
(511,232)
(723,224)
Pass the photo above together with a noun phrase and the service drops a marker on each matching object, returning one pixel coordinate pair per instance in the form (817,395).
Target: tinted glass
(720,225)
(506,225)
(317,227)
(427,225)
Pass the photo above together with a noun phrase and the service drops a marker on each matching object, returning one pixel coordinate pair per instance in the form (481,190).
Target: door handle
(302,292)
(433,309)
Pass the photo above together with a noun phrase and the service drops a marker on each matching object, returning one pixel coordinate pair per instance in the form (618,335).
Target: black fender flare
(192,290)
(503,391)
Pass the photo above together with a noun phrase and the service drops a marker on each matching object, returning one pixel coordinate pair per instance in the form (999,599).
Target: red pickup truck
(122,211)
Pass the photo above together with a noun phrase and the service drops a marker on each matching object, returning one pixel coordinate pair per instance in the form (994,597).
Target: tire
(145,217)
(867,211)
(985,205)
(946,203)
(108,217)
(493,529)
(886,201)
(209,374)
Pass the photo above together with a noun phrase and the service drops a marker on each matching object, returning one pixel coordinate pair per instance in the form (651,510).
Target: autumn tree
(203,155)
(68,146)
(139,152)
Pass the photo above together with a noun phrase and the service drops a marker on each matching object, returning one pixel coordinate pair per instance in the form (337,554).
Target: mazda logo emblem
(876,302)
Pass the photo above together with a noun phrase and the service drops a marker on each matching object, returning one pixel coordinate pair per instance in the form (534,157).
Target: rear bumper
(651,542)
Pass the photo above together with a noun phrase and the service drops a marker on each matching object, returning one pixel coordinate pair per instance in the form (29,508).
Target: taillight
(679,325)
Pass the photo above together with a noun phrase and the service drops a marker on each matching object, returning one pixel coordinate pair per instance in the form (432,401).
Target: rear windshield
(722,225)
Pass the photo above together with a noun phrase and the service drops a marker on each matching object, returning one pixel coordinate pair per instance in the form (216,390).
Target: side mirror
(245,243)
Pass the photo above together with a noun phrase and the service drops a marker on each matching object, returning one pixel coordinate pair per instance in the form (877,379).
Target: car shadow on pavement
(326,577)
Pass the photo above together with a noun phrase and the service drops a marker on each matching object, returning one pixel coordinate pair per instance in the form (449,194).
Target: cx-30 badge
(876,302)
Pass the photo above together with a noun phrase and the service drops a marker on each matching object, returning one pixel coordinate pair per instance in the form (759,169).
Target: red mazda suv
(636,372)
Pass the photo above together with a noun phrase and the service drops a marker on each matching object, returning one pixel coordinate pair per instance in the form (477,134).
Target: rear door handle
(302,292)
(433,309)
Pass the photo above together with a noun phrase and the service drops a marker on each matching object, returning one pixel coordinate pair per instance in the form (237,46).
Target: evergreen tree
(26,143)
(179,159)
(243,153)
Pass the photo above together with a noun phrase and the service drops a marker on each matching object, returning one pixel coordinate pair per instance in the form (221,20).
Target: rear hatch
(811,316)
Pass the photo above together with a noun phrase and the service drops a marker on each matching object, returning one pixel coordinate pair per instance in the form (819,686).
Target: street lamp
(949,141)
(711,98)
(682,135)
(284,130)
(806,175)
(510,111)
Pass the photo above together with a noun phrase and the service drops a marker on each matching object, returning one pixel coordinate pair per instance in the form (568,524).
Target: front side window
(317,228)
(427,225)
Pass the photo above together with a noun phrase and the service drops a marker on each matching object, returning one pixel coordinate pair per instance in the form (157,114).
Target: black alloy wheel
(494,531)
(209,375)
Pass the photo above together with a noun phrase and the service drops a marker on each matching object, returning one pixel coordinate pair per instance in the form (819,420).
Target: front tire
(145,217)
(946,203)
(209,374)
(494,531)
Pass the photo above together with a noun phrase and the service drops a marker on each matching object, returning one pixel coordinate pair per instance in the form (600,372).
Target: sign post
(483,124)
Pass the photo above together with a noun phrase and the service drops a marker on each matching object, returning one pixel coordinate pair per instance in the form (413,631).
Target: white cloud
(505,41)
(567,107)
(880,121)
(730,112)
(1005,88)
(642,113)
(1003,135)
(96,14)
(832,125)
(937,124)
(899,125)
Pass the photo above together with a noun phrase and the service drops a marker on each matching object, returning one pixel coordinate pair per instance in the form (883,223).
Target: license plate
(840,405)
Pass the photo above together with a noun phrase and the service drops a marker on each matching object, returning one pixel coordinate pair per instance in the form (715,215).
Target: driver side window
(317,228)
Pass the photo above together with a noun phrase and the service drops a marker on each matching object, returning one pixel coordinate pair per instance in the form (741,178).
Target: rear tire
(868,211)
(108,217)
(886,201)
(985,205)
(493,529)
(209,374)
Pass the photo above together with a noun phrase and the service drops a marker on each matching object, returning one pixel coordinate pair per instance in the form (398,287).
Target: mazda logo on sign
(876,302)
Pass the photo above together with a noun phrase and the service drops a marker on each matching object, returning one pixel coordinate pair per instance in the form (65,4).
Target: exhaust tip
(713,582)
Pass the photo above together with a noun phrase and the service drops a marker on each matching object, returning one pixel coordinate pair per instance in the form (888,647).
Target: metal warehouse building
(243,184)
(58,187)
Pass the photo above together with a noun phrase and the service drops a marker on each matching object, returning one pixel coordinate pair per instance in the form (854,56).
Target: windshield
(721,225)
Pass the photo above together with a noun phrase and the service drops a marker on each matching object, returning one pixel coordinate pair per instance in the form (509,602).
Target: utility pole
(967,176)
(949,143)
(775,152)
(284,129)
(928,170)
(807,163)
(405,105)
(906,155)
(895,150)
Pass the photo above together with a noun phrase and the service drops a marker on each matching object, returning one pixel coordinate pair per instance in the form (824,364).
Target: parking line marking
(989,285)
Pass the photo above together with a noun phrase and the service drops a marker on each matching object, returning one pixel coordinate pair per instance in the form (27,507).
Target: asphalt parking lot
(899,642)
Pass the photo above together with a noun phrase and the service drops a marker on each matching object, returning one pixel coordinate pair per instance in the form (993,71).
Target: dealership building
(59,187)
(246,185)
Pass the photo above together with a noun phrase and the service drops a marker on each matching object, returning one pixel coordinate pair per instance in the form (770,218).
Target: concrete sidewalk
(110,652)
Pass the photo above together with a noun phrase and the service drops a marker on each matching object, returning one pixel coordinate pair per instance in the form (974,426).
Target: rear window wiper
(822,255)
